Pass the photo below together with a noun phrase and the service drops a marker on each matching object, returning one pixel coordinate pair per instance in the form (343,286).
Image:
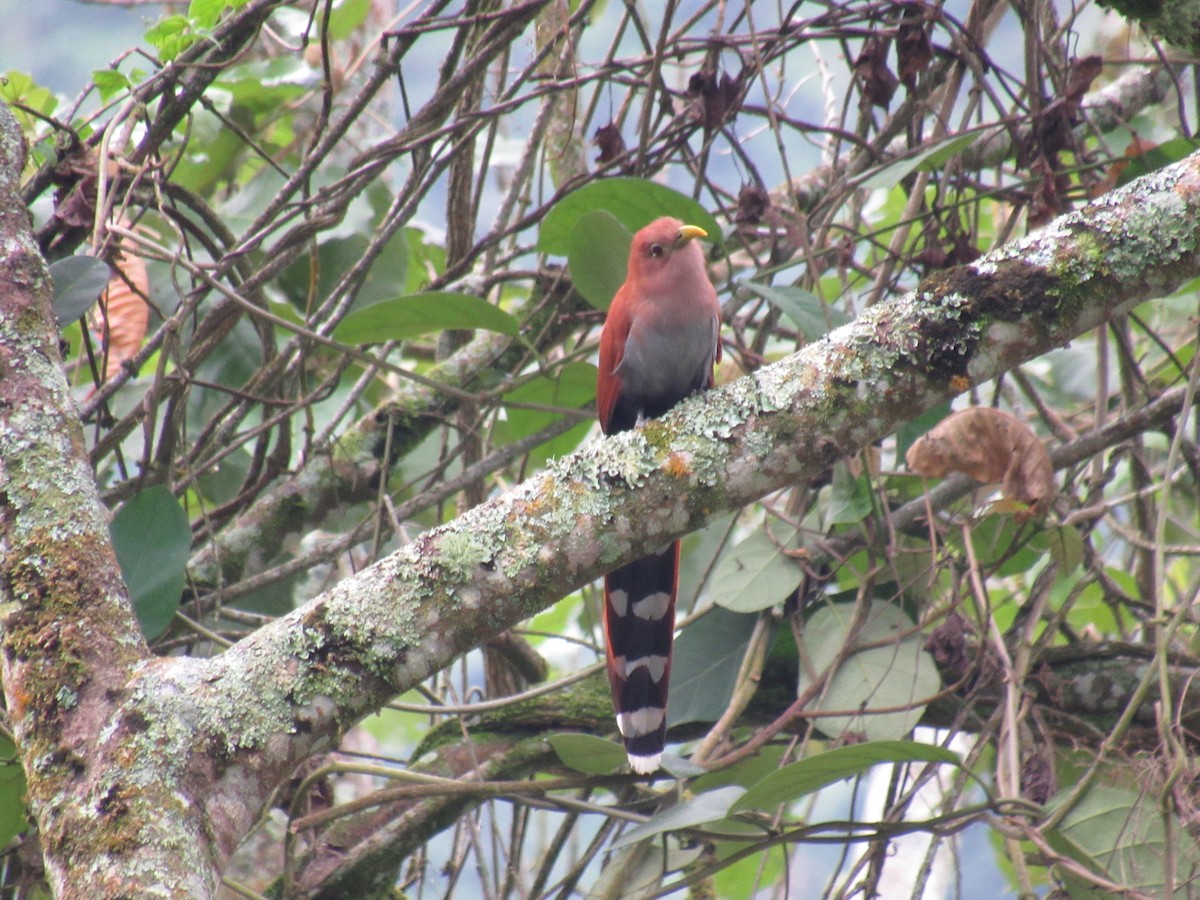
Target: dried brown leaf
(608,139)
(1079,80)
(714,101)
(1136,148)
(753,203)
(871,68)
(122,314)
(914,52)
(988,445)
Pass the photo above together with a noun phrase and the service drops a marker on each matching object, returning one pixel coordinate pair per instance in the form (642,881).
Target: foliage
(375,291)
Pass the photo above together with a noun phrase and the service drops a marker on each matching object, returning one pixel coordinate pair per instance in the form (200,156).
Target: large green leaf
(712,806)
(849,497)
(926,160)
(12,793)
(152,538)
(756,574)
(1002,544)
(1066,547)
(634,202)
(588,753)
(569,387)
(598,254)
(812,317)
(78,283)
(814,773)
(1157,158)
(705,664)
(1120,833)
(894,672)
(417,314)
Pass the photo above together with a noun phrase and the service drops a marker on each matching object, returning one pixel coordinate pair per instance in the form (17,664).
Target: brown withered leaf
(1136,148)
(914,52)
(964,250)
(713,100)
(121,316)
(988,445)
(608,139)
(75,176)
(1046,200)
(1082,73)
(878,84)
(944,249)
(1038,780)
(949,644)
(753,203)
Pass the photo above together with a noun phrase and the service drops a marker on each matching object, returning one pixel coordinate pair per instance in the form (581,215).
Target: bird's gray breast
(666,360)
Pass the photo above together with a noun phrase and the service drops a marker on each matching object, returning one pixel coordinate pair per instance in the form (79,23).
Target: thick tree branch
(312,673)
(209,740)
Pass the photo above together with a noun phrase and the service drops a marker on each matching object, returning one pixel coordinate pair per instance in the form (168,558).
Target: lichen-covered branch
(317,670)
(209,740)
(70,642)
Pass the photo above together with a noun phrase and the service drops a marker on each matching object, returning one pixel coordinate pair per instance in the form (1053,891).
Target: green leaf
(109,82)
(417,314)
(755,575)
(701,550)
(205,13)
(598,255)
(1066,547)
(704,666)
(571,387)
(1161,156)
(634,202)
(20,88)
(747,772)
(1002,544)
(1120,833)
(587,753)
(266,85)
(805,309)
(170,36)
(712,806)
(816,772)
(927,160)
(78,283)
(894,672)
(152,538)
(346,17)
(12,793)
(850,497)
(426,260)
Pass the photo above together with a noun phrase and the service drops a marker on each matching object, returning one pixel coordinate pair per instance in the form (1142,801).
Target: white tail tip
(645,765)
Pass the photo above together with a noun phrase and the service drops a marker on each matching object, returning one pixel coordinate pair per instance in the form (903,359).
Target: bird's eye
(656,249)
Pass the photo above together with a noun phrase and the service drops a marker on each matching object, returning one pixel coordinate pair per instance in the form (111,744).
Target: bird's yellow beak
(691,232)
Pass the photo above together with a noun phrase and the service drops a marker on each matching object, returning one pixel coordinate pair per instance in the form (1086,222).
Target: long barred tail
(639,624)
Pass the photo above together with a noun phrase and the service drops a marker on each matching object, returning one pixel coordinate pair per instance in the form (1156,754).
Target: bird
(659,345)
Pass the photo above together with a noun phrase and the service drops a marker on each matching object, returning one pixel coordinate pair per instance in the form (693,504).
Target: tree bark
(145,773)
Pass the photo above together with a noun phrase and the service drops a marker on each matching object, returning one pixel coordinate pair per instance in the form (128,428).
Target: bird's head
(665,246)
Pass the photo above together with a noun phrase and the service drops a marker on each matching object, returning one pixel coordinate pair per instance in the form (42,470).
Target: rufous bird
(659,345)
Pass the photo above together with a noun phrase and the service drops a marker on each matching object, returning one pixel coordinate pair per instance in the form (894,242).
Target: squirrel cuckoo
(658,346)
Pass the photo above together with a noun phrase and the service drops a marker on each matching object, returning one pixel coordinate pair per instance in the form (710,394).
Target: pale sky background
(60,42)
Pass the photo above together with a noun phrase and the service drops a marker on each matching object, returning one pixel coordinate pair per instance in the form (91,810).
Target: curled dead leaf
(914,51)
(876,80)
(121,316)
(714,101)
(608,139)
(752,204)
(1137,147)
(988,445)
